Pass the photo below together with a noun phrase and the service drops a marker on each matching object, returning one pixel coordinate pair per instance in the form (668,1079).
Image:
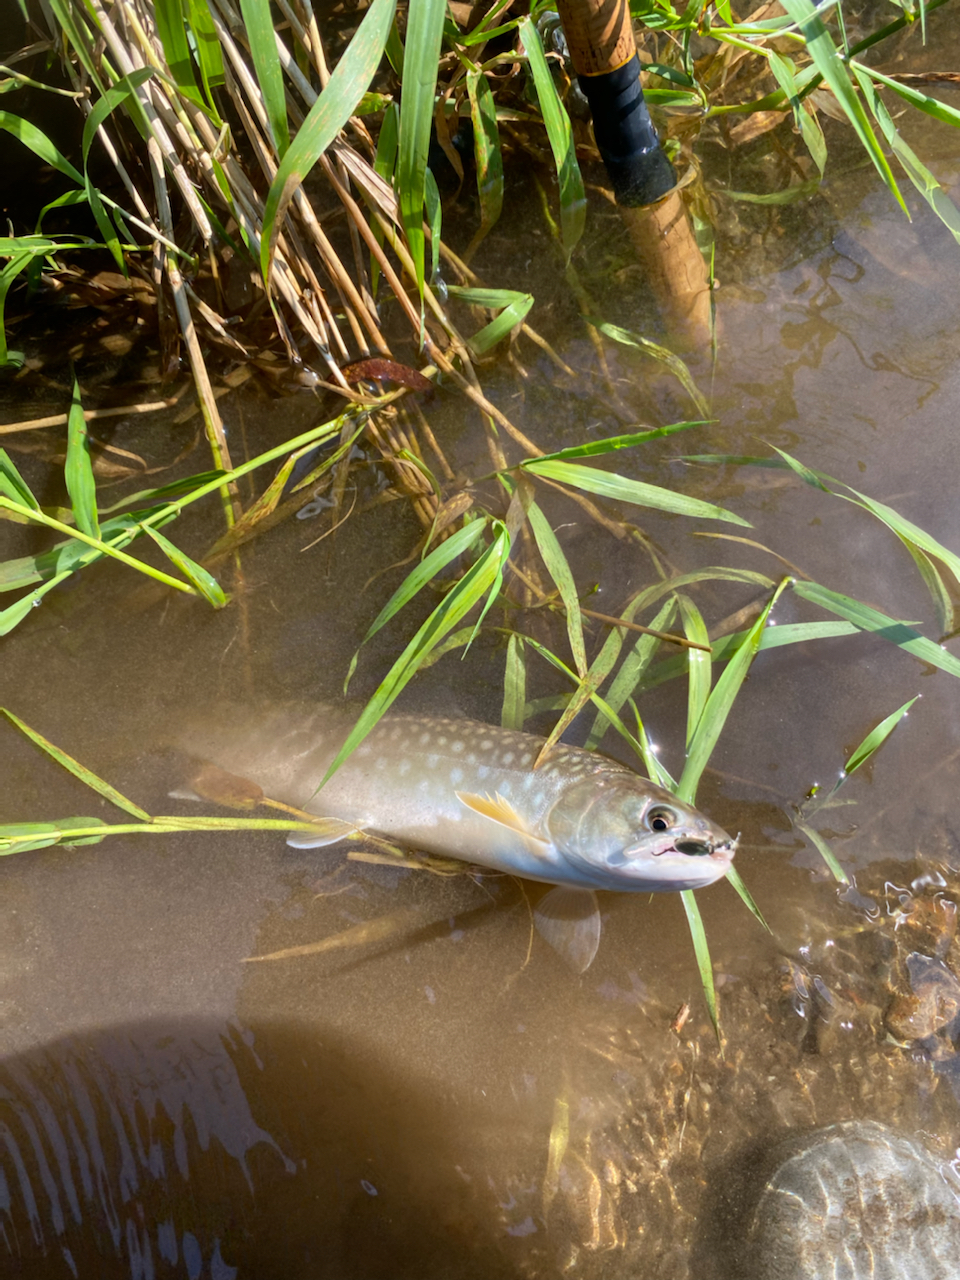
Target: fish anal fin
(501,811)
(569,920)
(329,831)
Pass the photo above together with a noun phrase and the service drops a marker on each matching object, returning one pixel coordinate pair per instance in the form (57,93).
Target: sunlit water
(450,1101)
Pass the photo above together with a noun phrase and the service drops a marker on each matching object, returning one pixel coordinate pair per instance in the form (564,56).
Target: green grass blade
(39,144)
(448,551)
(421,56)
(487,153)
(258,22)
(14,614)
(809,125)
(431,194)
(209,53)
(610,444)
(331,111)
(573,201)
(481,580)
(698,936)
(823,848)
(829,62)
(868,619)
(514,310)
(172,31)
(79,771)
(631,671)
(733,875)
(78,470)
(627,338)
(877,737)
(204,582)
(922,101)
(559,570)
(514,685)
(13,484)
(699,666)
(656,769)
(720,702)
(622,489)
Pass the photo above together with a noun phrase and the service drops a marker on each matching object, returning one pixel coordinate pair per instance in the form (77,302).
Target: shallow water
(449,1101)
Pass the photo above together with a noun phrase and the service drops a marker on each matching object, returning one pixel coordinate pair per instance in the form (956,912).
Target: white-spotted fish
(470,791)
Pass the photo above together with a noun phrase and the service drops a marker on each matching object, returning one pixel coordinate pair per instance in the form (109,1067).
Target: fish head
(627,833)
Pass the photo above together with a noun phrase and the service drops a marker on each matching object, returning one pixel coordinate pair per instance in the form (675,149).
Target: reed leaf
(829,62)
(350,80)
(262,38)
(487,153)
(482,579)
(79,771)
(204,582)
(866,618)
(78,469)
(699,667)
(631,671)
(559,570)
(701,950)
(720,702)
(421,56)
(876,737)
(573,201)
(622,489)
(514,684)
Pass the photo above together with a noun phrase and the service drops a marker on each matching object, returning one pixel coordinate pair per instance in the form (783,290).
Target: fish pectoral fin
(501,811)
(569,920)
(329,831)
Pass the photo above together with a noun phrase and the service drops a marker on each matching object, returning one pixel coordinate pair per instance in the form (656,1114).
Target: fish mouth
(694,847)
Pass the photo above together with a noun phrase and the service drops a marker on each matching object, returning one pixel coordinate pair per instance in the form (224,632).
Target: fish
(459,788)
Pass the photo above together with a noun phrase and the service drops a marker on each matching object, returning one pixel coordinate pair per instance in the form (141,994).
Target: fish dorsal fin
(569,919)
(500,811)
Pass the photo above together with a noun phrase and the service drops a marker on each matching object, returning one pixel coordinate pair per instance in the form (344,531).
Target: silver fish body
(470,791)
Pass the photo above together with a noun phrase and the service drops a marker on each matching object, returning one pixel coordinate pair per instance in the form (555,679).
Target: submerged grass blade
(454,547)
(573,201)
(631,672)
(877,737)
(627,338)
(487,154)
(733,875)
(823,848)
(514,685)
(559,570)
(699,666)
(78,469)
(866,618)
(204,582)
(698,936)
(622,489)
(721,700)
(482,579)
(78,770)
(829,62)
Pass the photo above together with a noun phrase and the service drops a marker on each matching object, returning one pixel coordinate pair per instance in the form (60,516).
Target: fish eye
(660,818)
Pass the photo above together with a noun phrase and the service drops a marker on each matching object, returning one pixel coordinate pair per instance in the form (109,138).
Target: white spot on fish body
(404,768)
(424,739)
(471,757)
(483,771)
(432,760)
(382,762)
(430,994)
(486,745)
(507,758)
(441,742)
(526,758)
(456,776)
(457,746)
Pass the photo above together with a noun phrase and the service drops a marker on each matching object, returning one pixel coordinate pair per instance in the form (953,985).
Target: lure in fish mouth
(467,790)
